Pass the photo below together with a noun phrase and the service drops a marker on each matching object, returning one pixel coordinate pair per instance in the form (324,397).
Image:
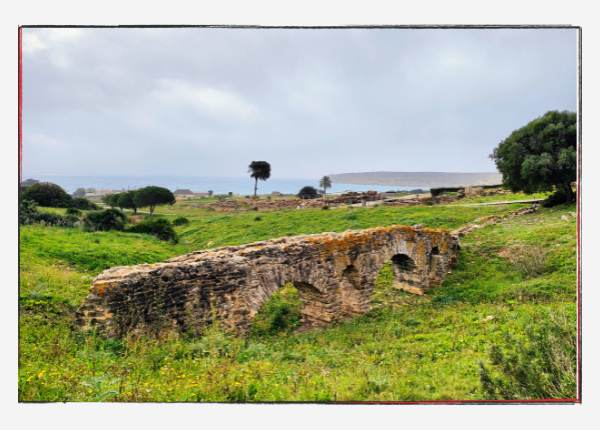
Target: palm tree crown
(325,183)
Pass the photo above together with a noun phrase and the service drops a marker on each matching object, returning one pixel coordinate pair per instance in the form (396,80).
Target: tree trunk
(255,186)
(569,192)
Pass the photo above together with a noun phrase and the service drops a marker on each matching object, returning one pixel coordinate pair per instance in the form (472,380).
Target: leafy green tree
(325,183)
(259,170)
(79,192)
(111,199)
(308,192)
(104,220)
(153,196)
(541,156)
(83,204)
(126,200)
(47,194)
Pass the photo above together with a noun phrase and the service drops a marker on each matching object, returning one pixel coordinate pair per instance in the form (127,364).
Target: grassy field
(407,348)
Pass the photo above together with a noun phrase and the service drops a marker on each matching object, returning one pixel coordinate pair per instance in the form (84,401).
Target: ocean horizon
(198,184)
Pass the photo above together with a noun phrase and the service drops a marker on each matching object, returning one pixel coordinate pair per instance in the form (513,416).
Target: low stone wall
(334,274)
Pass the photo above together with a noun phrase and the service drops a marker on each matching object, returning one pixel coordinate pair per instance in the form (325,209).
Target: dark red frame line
(424,402)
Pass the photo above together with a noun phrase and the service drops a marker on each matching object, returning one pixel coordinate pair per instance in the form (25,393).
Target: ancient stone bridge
(334,274)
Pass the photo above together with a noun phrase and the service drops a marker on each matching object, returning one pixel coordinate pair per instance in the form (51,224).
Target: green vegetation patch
(407,348)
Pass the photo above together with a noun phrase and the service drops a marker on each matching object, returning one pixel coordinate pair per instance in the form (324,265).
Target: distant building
(277,193)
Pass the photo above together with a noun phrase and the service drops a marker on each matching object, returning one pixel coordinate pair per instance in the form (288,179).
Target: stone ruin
(334,274)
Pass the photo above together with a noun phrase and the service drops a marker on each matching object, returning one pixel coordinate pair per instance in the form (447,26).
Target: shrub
(529,260)
(29,214)
(258,218)
(83,204)
(558,197)
(159,227)
(542,366)
(308,192)
(181,221)
(104,220)
(73,211)
(47,194)
(325,208)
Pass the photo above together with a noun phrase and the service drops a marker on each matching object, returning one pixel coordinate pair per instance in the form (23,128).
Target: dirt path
(504,202)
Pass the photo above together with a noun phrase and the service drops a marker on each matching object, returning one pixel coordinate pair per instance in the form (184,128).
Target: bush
(308,192)
(159,227)
(83,204)
(47,194)
(108,219)
(529,260)
(29,214)
(543,366)
(557,198)
(73,211)
(181,221)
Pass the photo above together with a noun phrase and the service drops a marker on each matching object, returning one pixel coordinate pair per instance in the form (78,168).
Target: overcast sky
(206,102)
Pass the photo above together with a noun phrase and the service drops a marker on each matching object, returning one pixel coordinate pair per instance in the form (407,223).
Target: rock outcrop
(334,274)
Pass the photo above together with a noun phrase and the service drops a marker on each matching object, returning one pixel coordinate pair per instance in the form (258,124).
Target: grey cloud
(208,101)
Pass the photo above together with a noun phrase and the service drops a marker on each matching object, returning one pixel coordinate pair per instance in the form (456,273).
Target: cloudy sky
(206,102)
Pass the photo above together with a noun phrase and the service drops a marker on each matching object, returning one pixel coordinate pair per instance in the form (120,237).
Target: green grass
(209,229)
(501,197)
(407,348)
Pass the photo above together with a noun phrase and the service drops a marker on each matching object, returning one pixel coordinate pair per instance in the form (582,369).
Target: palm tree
(259,170)
(325,183)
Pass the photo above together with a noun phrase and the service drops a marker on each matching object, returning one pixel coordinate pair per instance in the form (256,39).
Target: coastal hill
(420,179)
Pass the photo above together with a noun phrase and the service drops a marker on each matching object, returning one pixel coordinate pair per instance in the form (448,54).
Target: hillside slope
(407,348)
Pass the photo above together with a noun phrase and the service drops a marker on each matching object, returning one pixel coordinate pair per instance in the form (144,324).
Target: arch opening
(294,306)
(279,314)
(406,275)
(352,295)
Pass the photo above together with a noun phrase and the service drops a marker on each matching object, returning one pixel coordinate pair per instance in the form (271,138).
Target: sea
(218,185)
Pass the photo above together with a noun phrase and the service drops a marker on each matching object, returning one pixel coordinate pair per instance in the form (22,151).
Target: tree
(308,192)
(153,196)
(541,156)
(79,192)
(83,204)
(47,194)
(259,170)
(325,183)
(126,200)
(111,199)
(104,220)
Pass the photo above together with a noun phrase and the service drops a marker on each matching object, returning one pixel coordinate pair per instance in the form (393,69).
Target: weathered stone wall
(334,274)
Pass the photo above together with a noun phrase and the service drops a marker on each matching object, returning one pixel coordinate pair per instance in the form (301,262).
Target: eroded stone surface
(334,274)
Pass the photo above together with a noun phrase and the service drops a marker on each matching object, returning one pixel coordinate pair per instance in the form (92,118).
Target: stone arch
(316,303)
(352,296)
(406,274)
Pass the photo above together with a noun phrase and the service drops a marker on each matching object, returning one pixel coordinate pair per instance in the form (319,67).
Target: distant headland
(423,179)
